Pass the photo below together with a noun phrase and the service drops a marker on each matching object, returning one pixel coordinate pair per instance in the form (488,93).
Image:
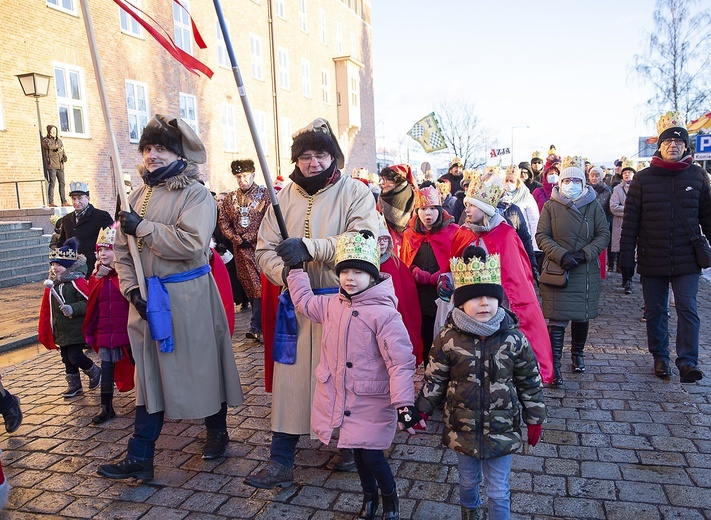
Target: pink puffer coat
(367,367)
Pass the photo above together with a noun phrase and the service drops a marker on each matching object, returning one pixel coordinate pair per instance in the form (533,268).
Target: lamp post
(36,85)
(512,140)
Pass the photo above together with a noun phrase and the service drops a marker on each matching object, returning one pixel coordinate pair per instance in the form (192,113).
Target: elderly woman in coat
(572,232)
(617,207)
(186,370)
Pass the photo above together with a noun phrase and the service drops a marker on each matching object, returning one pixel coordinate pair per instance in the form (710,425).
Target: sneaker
(128,468)
(215,444)
(270,476)
(13,416)
(342,461)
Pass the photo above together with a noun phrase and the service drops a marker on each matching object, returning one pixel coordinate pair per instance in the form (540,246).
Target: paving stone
(641,492)
(566,507)
(565,467)
(628,510)
(600,470)
(591,488)
(204,502)
(687,495)
(428,509)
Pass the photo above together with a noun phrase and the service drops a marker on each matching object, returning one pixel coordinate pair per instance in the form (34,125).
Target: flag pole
(250,121)
(115,157)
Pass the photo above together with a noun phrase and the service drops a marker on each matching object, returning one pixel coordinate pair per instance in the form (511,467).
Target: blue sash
(285,333)
(158,305)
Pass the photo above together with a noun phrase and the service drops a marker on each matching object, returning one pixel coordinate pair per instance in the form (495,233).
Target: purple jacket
(366,368)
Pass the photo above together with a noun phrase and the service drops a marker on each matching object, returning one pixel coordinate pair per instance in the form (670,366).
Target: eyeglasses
(675,142)
(318,156)
(570,179)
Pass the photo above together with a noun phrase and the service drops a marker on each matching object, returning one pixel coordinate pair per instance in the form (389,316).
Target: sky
(562,68)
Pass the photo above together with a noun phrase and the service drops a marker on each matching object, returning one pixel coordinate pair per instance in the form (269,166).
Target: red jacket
(106,321)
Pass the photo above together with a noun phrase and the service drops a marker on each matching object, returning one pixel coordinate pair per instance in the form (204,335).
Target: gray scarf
(493,222)
(468,324)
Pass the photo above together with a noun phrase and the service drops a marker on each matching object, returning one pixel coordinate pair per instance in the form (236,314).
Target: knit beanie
(572,169)
(358,251)
(476,274)
(672,125)
(65,255)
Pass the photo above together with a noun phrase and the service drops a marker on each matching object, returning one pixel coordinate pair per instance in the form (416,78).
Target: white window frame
(283,60)
(325,87)
(280,9)
(128,25)
(70,103)
(303,19)
(255,53)
(58,5)
(182,32)
(188,101)
(135,113)
(322,26)
(339,39)
(306,78)
(229,127)
(223,59)
(355,93)
(260,121)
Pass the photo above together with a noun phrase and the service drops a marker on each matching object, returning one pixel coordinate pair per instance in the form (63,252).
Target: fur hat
(176,135)
(242,165)
(358,251)
(66,255)
(475,275)
(672,125)
(319,137)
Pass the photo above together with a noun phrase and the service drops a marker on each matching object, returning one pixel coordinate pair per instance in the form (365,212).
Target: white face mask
(572,190)
(552,178)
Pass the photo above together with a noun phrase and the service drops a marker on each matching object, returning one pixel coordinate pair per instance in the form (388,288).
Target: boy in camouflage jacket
(483,367)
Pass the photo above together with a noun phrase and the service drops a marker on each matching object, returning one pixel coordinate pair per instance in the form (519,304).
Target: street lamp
(512,141)
(36,85)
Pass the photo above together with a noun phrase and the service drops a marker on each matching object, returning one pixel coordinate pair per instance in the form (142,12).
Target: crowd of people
(351,288)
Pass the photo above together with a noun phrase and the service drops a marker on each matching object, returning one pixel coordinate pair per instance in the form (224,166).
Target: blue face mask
(572,190)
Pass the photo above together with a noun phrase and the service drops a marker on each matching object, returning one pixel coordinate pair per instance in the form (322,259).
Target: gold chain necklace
(142,213)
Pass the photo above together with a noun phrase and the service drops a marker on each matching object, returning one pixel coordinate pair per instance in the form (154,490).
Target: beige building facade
(299,59)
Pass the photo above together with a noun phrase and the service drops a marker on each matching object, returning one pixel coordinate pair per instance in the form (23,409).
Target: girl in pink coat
(365,374)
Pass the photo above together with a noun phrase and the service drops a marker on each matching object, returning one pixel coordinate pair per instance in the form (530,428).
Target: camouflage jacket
(484,382)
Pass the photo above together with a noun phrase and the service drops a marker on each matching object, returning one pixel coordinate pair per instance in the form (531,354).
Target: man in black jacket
(84,224)
(665,253)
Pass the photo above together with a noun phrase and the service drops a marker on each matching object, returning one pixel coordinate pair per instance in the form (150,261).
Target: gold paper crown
(670,120)
(456,161)
(471,175)
(106,237)
(427,196)
(489,191)
(513,170)
(574,161)
(641,165)
(78,186)
(537,155)
(490,171)
(444,187)
(476,271)
(63,254)
(629,164)
(354,246)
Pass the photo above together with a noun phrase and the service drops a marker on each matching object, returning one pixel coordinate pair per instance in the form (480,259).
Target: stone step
(21,233)
(41,248)
(14,226)
(12,276)
(21,260)
(25,241)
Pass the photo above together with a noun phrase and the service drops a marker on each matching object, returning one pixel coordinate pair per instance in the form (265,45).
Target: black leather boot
(612,258)
(107,409)
(557,335)
(370,506)
(391,506)
(578,337)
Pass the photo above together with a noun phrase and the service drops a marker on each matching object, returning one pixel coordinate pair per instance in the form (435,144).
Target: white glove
(102,271)
(66,310)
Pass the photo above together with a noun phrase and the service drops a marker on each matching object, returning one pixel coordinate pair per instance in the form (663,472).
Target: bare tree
(677,63)
(463,131)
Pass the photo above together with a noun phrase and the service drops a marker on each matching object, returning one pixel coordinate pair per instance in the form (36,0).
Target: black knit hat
(360,251)
(476,290)
(676,132)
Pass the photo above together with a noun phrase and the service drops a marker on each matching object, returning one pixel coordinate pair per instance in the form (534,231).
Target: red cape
(408,303)
(517,281)
(270,301)
(224,286)
(44,326)
(440,241)
(123,370)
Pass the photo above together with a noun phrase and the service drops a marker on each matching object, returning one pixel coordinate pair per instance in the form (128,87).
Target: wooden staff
(115,157)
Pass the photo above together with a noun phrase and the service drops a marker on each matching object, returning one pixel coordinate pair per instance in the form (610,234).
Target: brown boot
(270,476)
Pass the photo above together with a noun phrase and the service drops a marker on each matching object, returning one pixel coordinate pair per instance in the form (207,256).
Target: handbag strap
(677,205)
(580,229)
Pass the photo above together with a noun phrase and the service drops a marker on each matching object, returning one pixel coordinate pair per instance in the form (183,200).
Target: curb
(19,343)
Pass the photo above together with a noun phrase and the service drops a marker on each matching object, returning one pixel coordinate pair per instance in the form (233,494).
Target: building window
(302,16)
(279,9)
(354,92)
(322,25)
(137,108)
(128,24)
(306,78)
(325,87)
(255,50)
(188,110)
(71,99)
(229,129)
(283,68)
(181,26)
(223,58)
(260,120)
(339,38)
(68,6)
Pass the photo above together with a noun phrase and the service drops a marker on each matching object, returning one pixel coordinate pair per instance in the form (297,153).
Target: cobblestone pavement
(619,444)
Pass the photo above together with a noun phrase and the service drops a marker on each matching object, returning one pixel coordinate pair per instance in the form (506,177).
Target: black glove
(139,303)
(568,261)
(627,273)
(220,248)
(408,416)
(580,257)
(129,221)
(292,251)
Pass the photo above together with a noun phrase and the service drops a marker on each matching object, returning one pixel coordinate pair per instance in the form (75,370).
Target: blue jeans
(496,477)
(283,448)
(656,300)
(374,471)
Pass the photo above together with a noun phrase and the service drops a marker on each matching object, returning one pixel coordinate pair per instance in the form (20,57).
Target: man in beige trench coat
(188,371)
(318,205)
